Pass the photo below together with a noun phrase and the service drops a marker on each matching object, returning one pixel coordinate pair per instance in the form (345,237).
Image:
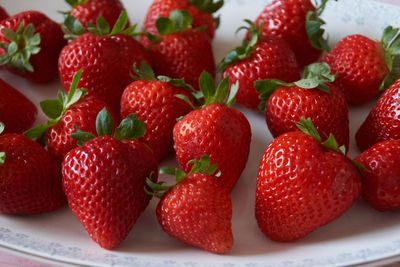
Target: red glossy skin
(156,105)
(272,58)
(183,55)
(328,111)
(52,41)
(82,114)
(221,132)
(302,186)
(106,62)
(360,65)
(286,19)
(382,121)
(30,178)
(17,112)
(103,181)
(198,212)
(163,8)
(3,13)
(381,183)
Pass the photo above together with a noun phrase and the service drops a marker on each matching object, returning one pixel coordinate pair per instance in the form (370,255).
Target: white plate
(361,235)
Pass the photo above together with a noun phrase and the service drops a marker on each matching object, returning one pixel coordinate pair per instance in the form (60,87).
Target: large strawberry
(154,101)
(314,96)
(106,58)
(3,13)
(30,178)
(365,66)
(382,121)
(200,10)
(180,51)
(303,184)
(17,112)
(215,129)
(298,22)
(104,179)
(261,57)
(66,113)
(381,181)
(197,210)
(30,44)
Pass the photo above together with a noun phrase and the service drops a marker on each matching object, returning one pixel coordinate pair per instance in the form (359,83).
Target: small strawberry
(365,66)
(30,179)
(180,52)
(381,182)
(67,112)
(312,97)
(303,184)
(215,129)
(153,99)
(263,57)
(3,13)
(382,121)
(197,210)
(200,10)
(104,179)
(30,44)
(298,22)
(17,112)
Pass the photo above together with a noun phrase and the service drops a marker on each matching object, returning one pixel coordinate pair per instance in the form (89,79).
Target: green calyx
(74,3)
(55,108)
(73,28)
(246,49)
(23,44)
(129,128)
(390,42)
(203,166)
(207,5)
(315,76)
(2,154)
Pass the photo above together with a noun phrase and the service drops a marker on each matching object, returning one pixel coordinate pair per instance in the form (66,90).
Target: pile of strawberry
(130,99)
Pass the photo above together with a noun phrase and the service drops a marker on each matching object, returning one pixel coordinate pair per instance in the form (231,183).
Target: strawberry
(88,11)
(298,23)
(180,51)
(30,44)
(303,184)
(153,99)
(263,57)
(215,129)
(66,113)
(105,57)
(381,181)
(382,121)
(200,10)
(365,66)
(30,179)
(104,179)
(312,97)
(3,13)
(17,112)
(197,210)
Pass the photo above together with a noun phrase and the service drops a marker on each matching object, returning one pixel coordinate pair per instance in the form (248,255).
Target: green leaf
(388,35)
(361,168)
(393,75)
(73,26)
(165,26)
(331,143)
(181,19)
(2,127)
(266,88)
(81,137)
(130,128)
(316,75)
(232,94)
(222,91)
(53,108)
(121,23)
(154,39)
(176,82)
(202,166)
(74,85)
(307,127)
(207,86)
(74,3)
(131,31)
(179,175)
(10,35)
(207,5)
(307,83)
(104,123)
(186,99)
(102,26)
(38,130)
(2,158)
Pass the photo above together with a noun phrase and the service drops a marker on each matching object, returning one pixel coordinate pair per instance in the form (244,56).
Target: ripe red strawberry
(216,129)
(381,181)
(312,97)
(17,112)
(303,184)
(154,100)
(30,179)
(104,179)
(30,44)
(3,13)
(382,121)
(298,23)
(88,11)
(180,52)
(105,57)
(200,11)
(197,210)
(364,66)
(263,57)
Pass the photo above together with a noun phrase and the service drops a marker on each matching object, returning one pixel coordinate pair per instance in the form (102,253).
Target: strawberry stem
(390,42)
